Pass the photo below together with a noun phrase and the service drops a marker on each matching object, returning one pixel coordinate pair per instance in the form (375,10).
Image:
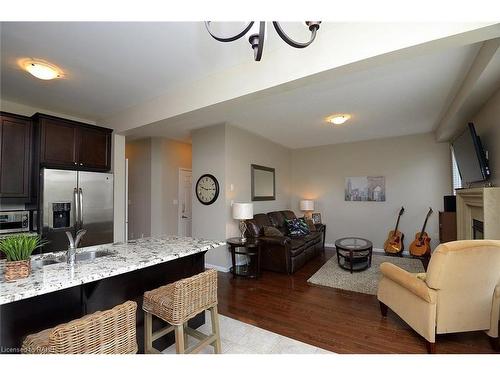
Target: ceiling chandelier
(257,31)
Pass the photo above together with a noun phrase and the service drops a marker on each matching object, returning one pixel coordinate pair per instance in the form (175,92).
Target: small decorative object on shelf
(242,212)
(316,218)
(18,250)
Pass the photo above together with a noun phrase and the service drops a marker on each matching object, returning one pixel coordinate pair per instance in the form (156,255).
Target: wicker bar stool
(178,302)
(103,332)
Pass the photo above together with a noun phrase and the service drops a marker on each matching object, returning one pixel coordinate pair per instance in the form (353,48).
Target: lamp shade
(306,205)
(242,211)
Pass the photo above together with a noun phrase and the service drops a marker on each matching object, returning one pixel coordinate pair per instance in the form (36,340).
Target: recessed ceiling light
(338,119)
(41,69)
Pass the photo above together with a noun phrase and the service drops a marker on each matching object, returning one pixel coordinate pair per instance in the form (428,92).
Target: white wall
(209,156)
(153,184)
(417,173)
(174,155)
(487,123)
(227,152)
(242,150)
(118,167)
(138,154)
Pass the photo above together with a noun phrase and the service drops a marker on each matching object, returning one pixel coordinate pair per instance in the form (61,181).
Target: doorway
(184,207)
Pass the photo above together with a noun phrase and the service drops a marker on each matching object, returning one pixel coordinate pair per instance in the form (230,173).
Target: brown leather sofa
(284,253)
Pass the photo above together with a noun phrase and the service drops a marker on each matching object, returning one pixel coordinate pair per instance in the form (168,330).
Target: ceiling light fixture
(338,119)
(41,69)
(257,33)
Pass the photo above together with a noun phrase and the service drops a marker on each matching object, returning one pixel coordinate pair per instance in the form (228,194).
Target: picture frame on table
(316,218)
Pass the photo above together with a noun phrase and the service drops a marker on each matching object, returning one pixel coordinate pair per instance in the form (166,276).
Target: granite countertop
(124,257)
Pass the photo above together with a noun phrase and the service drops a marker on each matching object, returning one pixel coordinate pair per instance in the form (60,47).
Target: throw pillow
(272,232)
(297,227)
(310,225)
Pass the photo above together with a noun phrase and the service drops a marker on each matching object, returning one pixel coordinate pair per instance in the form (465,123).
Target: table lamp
(307,206)
(242,212)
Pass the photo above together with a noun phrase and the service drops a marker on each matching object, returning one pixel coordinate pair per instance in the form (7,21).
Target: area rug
(366,281)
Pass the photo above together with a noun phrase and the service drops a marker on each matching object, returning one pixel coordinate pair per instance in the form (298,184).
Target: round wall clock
(207,189)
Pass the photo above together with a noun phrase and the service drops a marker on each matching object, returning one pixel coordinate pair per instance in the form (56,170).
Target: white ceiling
(111,66)
(392,99)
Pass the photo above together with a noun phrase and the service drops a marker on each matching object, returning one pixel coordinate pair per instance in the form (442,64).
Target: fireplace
(478,213)
(477,229)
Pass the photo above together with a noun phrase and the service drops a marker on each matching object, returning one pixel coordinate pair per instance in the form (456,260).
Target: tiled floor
(241,338)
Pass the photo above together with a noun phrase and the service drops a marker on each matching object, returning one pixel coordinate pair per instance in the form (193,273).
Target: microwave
(14,221)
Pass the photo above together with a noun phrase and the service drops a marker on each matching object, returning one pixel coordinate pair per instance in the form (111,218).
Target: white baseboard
(375,250)
(218,268)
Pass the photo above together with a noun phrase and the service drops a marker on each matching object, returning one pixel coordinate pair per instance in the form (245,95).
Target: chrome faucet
(73,244)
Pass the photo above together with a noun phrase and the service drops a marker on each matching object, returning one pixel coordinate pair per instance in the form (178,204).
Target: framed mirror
(263,183)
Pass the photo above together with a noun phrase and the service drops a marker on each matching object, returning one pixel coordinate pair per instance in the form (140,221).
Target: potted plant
(18,249)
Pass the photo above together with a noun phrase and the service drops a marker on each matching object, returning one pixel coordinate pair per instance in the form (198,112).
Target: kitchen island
(56,292)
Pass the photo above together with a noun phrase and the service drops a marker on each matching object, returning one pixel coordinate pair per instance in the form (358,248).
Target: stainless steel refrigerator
(73,200)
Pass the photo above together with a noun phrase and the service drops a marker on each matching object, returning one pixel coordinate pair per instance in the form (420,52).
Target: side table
(321,228)
(251,248)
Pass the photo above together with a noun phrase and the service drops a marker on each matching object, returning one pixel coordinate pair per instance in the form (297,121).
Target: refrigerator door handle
(77,208)
(80,191)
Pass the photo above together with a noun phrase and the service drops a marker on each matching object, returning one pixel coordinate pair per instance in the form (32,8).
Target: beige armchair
(460,291)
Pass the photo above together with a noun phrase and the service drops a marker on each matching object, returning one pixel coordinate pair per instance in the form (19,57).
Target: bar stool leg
(215,329)
(179,339)
(186,342)
(148,332)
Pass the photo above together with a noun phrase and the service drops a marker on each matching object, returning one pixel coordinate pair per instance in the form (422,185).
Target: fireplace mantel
(481,204)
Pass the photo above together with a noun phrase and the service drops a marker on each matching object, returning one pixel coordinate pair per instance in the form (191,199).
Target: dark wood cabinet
(74,145)
(447,226)
(94,149)
(57,142)
(15,156)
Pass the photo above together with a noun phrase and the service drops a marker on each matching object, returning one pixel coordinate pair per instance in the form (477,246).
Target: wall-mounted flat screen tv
(470,156)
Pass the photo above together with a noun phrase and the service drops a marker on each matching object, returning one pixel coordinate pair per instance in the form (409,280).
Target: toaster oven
(14,221)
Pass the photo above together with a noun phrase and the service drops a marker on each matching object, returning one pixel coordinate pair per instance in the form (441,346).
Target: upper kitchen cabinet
(94,148)
(74,145)
(15,156)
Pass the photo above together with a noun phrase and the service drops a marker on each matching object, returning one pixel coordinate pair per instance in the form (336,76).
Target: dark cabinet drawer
(15,156)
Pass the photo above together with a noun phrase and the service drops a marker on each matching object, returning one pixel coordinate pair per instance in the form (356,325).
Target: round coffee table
(354,254)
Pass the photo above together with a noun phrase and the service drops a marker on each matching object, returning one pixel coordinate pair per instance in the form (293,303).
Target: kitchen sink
(80,257)
(91,255)
(45,262)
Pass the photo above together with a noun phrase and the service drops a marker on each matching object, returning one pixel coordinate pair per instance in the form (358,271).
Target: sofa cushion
(297,227)
(296,243)
(311,225)
(277,219)
(270,231)
(289,214)
(256,225)
(253,230)
(312,237)
(297,246)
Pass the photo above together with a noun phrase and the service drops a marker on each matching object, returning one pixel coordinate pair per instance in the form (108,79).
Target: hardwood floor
(336,320)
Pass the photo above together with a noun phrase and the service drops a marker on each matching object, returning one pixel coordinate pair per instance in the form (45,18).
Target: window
(457,180)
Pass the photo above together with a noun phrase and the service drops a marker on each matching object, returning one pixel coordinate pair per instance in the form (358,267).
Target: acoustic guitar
(394,243)
(422,244)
